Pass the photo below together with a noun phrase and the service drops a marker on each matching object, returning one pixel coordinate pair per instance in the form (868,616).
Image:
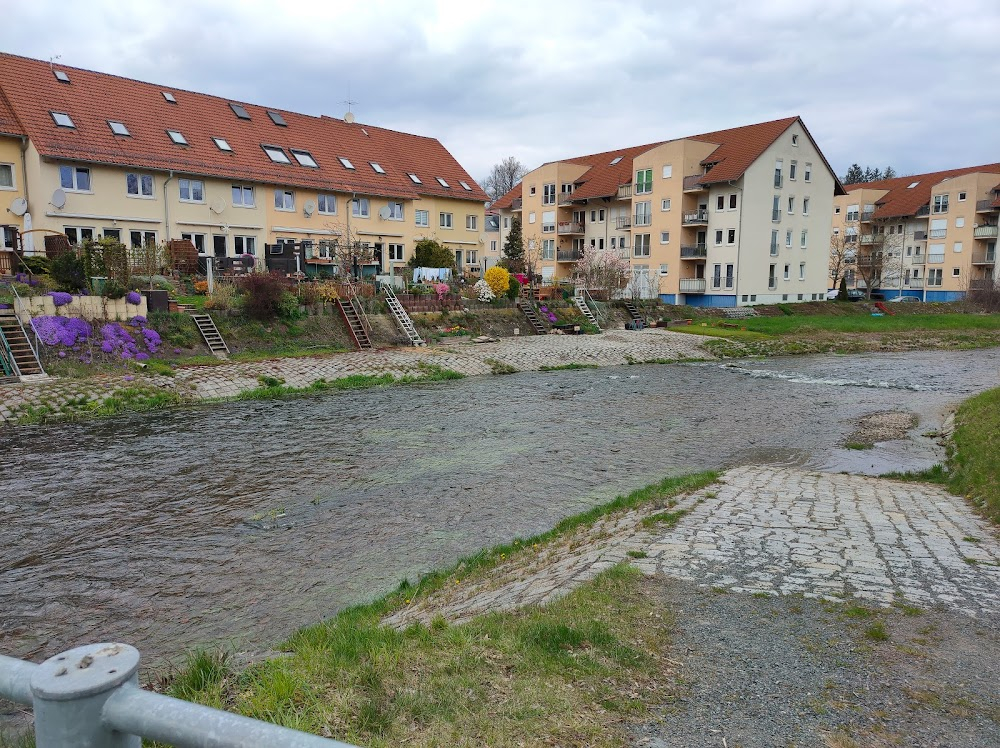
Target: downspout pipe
(166,207)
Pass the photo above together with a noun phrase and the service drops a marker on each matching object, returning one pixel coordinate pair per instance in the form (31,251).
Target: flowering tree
(483,291)
(604,270)
(498,280)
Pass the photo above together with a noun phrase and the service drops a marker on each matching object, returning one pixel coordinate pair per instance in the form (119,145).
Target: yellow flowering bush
(327,292)
(498,279)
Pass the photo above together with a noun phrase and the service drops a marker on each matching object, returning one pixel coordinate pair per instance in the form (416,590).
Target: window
(802,271)
(961,198)
(664,269)
(792,167)
(643,213)
(731,237)
(956,272)
(940,204)
(600,216)
(720,202)
(395,253)
(774,242)
(6,176)
(75,178)
(467,188)
(939,228)
(506,222)
(788,271)
(615,160)
(62,119)
(242,196)
(808,173)
(139,185)
(795,139)
(665,204)
(732,201)
(531,190)
(548,249)
(788,238)
(548,221)
(346,163)
(276,154)
(776,209)
(531,217)
(804,238)
(177,138)
(934,277)
(593,216)
(664,237)
(772,279)
(935,253)
(729,276)
(472,223)
(422,217)
(284,200)
(717,276)
(414,178)
(395,211)
(641,248)
(442,182)
(245,245)
(718,237)
(191,190)
(548,194)
(836,210)
(853,212)
(239,111)
(959,222)
(668,171)
(115,234)
(493,246)
(222,144)
(277,119)
(304,158)
(791,205)
(198,240)
(777,172)
(169,97)
(118,128)
(643,181)
(142,238)
(805,206)
(326,204)
(445,220)
(377,167)
(77,235)
(360,207)
(957,247)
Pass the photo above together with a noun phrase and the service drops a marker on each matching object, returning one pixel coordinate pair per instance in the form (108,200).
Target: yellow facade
(12,188)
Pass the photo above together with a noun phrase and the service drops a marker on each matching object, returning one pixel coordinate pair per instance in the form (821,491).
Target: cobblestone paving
(611,348)
(772,531)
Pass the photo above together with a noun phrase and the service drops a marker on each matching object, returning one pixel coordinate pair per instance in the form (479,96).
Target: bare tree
(346,250)
(842,257)
(876,247)
(503,177)
(604,270)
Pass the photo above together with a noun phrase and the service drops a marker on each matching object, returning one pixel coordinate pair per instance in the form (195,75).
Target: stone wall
(88,307)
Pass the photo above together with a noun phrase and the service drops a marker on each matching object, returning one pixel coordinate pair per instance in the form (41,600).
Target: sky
(907,83)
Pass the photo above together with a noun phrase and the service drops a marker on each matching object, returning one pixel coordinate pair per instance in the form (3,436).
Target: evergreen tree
(842,293)
(428,253)
(853,175)
(889,173)
(872,175)
(513,248)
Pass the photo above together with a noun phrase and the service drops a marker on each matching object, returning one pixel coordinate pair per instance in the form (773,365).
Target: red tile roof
(603,178)
(8,122)
(507,200)
(91,99)
(902,200)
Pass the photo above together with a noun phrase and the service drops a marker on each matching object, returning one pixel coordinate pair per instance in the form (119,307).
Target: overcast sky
(909,83)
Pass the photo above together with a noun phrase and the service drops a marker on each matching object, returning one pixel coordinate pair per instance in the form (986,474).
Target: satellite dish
(309,208)
(59,199)
(349,117)
(218,205)
(19,206)
(384,213)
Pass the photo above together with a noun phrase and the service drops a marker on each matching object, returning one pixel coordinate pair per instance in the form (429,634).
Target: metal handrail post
(19,304)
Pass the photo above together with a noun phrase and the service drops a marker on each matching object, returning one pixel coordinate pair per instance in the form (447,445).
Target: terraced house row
(930,236)
(93,155)
(728,218)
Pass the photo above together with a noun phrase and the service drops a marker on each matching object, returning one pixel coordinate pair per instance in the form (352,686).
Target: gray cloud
(910,83)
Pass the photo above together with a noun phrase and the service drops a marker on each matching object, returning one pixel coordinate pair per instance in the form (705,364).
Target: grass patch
(877,632)
(567,367)
(637,554)
(975,458)
(499,367)
(858,445)
(858,611)
(936,474)
(272,388)
(664,518)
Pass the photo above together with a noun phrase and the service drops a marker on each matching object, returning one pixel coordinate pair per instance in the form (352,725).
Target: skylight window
(615,160)
(346,164)
(169,97)
(277,119)
(465,185)
(239,111)
(276,154)
(222,144)
(304,158)
(912,185)
(414,178)
(177,137)
(118,128)
(62,119)
(61,76)
(442,182)
(377,167)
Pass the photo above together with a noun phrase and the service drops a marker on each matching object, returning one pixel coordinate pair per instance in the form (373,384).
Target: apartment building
(728,218)
(96,155)
(930,236)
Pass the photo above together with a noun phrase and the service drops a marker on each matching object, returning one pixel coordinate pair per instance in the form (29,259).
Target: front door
(377,256)
(219,245)
(458,260)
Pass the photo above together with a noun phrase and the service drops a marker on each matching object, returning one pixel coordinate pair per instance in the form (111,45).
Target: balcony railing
(516,203)
(569,255)
(642,219)
(938,233)
(778,180)
(772,284)
(866,215)
(776,215)
(919,236)
(565,198)
(984,258)
(913,282)
(692,184)
(988,231)
(694,216)
(693,285)
(918,259)
(982,284)
(867,239)
(923,210)
(623,223)
(935,259)
(986,206)
(570,227)
(694,251)
(625,192)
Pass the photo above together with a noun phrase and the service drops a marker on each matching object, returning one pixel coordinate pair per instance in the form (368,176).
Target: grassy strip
(974,462)
(273,388)
(568,367)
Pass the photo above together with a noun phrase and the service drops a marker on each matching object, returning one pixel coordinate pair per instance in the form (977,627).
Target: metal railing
(692,183)
(643,219)
(776,215)
(693,285)
(918,259)
(986,231)
(694,251)
(516,203)
(778,180)
(569,255)
(914,282)
(866,215)
(923,210)
(20,305)
(90,696)
(985,206)
(984,258)
(623,222)
(695,216)
(625,192)
(570,227)
(919,236)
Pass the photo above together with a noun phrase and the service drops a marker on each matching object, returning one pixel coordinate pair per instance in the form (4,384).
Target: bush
(68,273)
(288,306)
(201,287)
(223,297)
(498,280)
(113,289)
(513,289)
(264,294)
(37,265)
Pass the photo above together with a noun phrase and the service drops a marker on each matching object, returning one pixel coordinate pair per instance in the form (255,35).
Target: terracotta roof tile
(8,122)
(603,178)
(507,200)
(902,200)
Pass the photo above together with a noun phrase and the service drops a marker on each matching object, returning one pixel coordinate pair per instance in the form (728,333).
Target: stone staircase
(580,298)
(402,318)
(19,355)
(210,333)
(352,315)
(528,310)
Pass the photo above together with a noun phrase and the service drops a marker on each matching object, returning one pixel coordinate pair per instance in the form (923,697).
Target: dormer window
(61,76)
(304,158)
(169,97)
(377,167)
(62,119)
(276,154)
(277,119)
(240,111)
(176,137)
(465,185)
(442,182)
(414,178)
(118,128)
(345,162)
(222,144)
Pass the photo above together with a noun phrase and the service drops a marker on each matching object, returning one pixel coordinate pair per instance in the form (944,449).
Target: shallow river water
(236,524)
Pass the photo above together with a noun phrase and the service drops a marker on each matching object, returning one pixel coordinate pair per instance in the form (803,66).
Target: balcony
(694,251)
(935,259)
(692,184)
(625,192)
(982,284)
(919,236)
(923,210)
(569,255)
(918,259)
(989,257)
(938,233)
(642,219)
(516,203)
(693,285)
(989,231)
(866,215)
(913,282)
(867,238)
(986,206)
(776,215)
(623,223)
(695,217)
(565,198)
(570,227)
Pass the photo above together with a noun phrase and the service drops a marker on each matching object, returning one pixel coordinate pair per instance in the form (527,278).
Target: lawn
(975,458)
(797,325)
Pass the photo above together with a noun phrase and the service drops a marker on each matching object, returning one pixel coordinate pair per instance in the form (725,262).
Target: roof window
(377,167)
(239,111)
(615,160)
(465,185)
(169,97)
(222,144)
(345,162)
(177,137)
(62,119)
(61,76)
(414,178)
(277,119)
(911,185)
(442,182)
(118,128)
(304,158)
(276,154)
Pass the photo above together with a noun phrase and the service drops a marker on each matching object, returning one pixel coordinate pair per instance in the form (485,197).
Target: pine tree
(889,173)
(853,175)
(513,248)
(842,293)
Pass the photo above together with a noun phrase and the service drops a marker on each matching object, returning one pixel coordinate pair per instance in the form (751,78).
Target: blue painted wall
(892,293)
(709,300)
(668,298)
(945,295)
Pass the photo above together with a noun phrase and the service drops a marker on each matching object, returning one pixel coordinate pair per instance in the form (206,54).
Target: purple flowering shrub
(133,297)
(60,298)
(135,341)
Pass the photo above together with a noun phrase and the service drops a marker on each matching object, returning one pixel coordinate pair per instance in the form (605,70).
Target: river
(235,524)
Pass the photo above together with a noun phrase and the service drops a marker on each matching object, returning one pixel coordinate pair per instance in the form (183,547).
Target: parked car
(904,300)
(853,294)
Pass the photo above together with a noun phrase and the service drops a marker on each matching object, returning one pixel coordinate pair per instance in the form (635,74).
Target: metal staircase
(529,311)
(580,297)
(402,318)
(633,311)
(355,318)
(19,358)
(213,339)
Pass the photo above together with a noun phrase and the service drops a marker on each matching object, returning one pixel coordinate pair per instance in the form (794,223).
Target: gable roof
(901,200)
(8,122)
(33,92)
(506,201)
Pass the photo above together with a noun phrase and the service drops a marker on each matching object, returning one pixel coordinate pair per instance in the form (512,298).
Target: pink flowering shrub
(441,289)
